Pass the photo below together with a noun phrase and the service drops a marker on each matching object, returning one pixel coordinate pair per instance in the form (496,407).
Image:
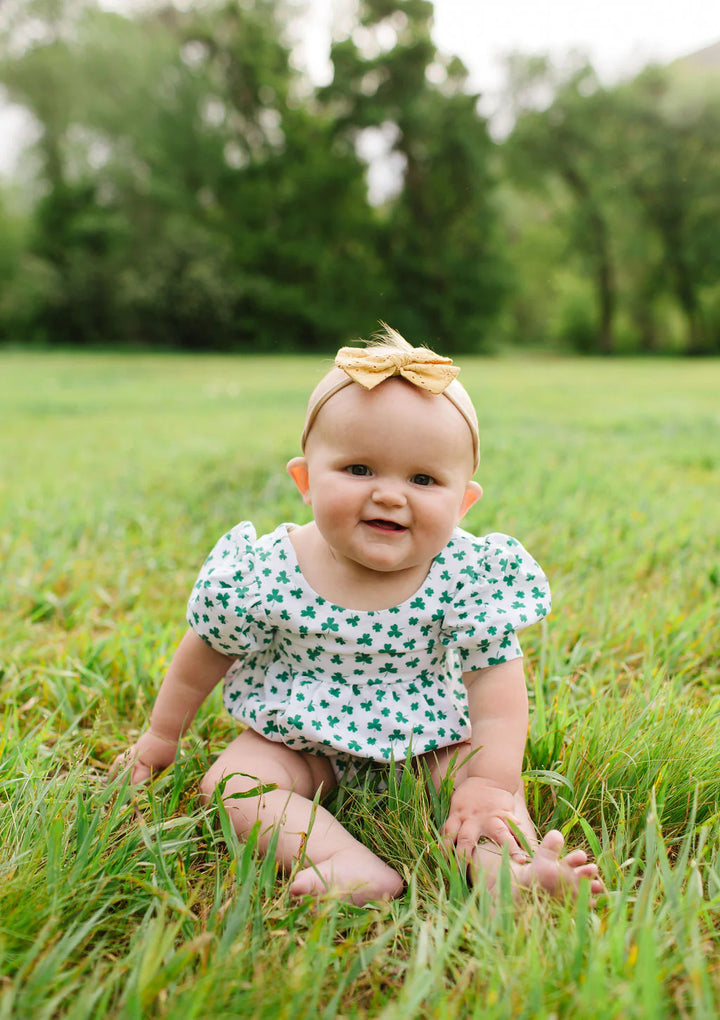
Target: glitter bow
(421,367)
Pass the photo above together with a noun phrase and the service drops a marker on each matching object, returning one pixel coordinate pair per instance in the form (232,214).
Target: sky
(618,36)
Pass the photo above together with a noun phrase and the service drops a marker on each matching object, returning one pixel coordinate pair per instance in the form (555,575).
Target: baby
(380,630)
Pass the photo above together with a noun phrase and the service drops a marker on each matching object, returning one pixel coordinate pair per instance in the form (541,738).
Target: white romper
(378,684)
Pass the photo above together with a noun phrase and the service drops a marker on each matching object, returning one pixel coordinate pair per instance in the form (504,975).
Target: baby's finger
(448,835)
(499,833)
(459,838)
(140,773)
(468,837)
(451,827)
(129,762)
(121,764)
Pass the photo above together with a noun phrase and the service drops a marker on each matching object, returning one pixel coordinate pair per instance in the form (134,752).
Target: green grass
(117,475)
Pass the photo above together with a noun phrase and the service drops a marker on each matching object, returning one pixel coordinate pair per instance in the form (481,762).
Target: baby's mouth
(382,525)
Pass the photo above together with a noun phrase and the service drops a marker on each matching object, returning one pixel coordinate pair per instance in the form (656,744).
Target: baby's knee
(207,787)
(236,793)
(235,788)
(227,784)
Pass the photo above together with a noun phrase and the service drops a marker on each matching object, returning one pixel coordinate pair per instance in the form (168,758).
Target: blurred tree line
(189,188)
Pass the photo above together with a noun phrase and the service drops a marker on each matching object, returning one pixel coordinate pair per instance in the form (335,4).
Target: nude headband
(370,366)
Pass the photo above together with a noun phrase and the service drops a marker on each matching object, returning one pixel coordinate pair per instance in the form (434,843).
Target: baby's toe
(551,844)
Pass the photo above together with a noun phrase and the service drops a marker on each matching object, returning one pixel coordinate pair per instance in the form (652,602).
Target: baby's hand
(480,811)
(148,755)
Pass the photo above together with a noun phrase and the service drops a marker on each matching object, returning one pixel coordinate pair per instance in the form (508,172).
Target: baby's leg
(545,868)
(337,861)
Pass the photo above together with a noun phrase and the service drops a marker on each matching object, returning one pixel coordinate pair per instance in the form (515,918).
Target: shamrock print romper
(378,684)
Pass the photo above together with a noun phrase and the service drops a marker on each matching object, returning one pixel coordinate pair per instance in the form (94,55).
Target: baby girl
(378,631)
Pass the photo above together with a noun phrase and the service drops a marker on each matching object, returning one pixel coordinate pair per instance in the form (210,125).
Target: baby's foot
(551,873)
(355,874)
(556,875)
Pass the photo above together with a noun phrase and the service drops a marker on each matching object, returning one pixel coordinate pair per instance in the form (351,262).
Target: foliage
(196,194)
(125,470)
(631,177)
(440,237)
(189,188)
(671,146)
(189,198)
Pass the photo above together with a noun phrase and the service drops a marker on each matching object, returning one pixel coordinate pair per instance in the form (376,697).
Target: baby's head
(389,355)
(390,445)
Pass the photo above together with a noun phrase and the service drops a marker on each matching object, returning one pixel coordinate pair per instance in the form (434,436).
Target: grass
(119,472)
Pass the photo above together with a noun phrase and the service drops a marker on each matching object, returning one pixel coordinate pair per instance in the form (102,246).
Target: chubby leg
(544,868)
(338,863)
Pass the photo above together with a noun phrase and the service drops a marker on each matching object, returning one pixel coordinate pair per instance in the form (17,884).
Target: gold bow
(421,367)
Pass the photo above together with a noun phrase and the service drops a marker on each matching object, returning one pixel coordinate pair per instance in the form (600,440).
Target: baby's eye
(358,469)
(422,480)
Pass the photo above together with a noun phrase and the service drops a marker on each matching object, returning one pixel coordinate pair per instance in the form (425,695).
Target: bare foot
(547,870)
(355,874)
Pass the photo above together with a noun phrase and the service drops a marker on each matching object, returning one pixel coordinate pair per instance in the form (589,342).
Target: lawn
(118,474)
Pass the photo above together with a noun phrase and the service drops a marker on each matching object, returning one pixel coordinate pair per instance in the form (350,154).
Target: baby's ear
(297,468)
(473,492)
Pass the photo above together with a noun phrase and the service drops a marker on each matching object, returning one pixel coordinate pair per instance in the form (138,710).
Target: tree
(76,234)
(302,238)
(672,165)
(631,177)
(190,195)
(568,142)
(445,278)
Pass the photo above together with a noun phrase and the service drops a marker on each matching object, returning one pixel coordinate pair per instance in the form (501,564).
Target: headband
(372,365)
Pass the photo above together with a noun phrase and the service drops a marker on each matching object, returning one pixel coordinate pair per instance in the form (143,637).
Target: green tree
(301,235)
(190,195)
(444,277)
(630,177)
(78,239)
(671,155)
(568,142)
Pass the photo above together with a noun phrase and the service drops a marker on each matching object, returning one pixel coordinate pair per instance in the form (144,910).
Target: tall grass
(119,471)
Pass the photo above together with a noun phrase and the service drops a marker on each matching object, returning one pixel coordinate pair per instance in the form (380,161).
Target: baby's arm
(483,801)
(194,671)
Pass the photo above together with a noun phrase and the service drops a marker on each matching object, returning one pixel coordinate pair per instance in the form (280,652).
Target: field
(118,474)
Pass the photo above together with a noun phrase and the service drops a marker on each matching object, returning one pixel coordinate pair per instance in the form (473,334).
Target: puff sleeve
(225,605)
(500,590)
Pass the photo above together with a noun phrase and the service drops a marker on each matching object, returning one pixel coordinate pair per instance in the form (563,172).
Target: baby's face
(388,474)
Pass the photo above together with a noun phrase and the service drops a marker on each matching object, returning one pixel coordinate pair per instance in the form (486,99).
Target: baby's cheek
(443,516)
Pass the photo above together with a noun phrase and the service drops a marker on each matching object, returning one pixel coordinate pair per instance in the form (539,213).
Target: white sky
(619,36)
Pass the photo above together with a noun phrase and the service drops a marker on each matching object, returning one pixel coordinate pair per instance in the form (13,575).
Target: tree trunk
(604,276)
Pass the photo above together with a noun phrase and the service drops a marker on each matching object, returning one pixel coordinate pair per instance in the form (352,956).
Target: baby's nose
(389,494)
